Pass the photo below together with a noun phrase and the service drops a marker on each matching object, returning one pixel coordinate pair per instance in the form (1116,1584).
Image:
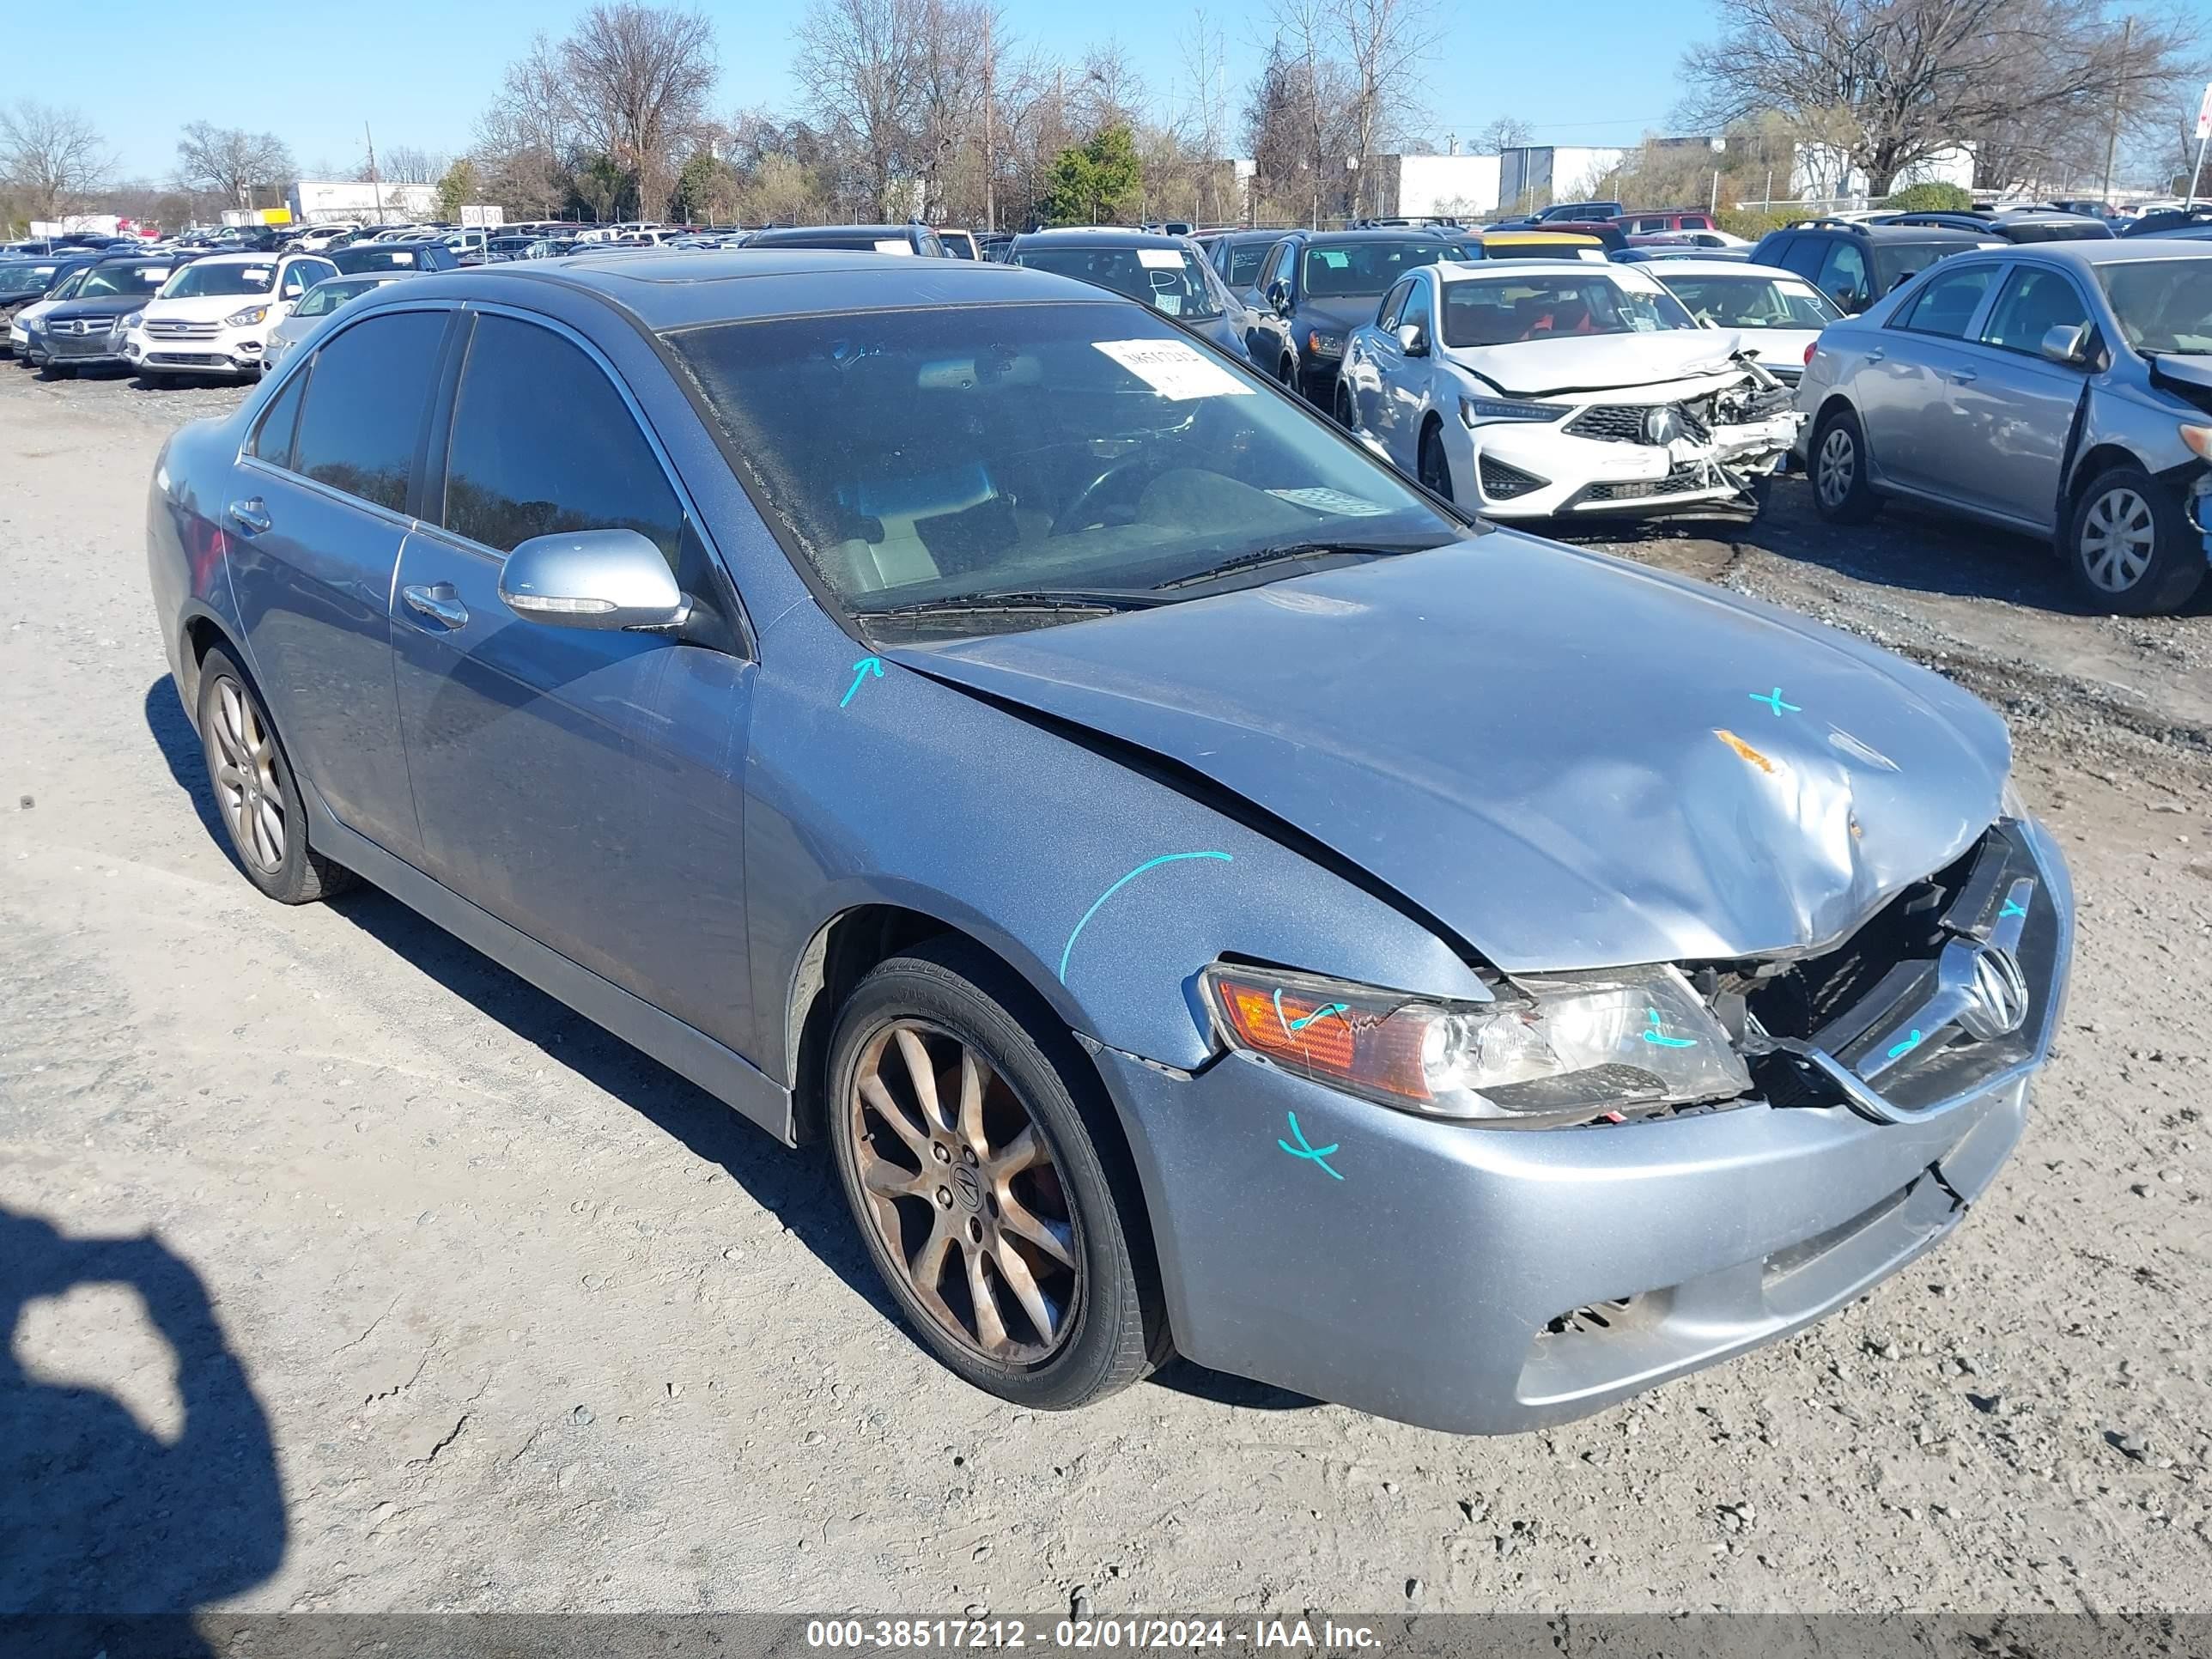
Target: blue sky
(420,71)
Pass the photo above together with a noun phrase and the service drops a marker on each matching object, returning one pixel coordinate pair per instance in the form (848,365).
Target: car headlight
(124,325)
(1324,345)
(245,319)
(1475,411)
(1560,1048)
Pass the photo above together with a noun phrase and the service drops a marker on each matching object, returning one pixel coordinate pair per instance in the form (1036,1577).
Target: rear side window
(1804,254)
(1948,303)
(543,443)
(362,419)
(272,436)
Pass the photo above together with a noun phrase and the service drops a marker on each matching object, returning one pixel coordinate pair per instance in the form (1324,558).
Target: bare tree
(231,163)
(638,78)
(50,156)
(526,140)
(858,62)
(1506,132)
(948,100)
(1914,78)
(1387,42)
(406,165)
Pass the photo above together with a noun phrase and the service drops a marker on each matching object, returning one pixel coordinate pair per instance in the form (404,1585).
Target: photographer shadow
(109,1531)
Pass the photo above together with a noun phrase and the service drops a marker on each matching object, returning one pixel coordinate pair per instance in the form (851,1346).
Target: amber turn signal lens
(1363,1046)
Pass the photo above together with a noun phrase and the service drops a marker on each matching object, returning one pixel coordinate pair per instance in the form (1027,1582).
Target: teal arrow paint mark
(2013,907)
(1318,1013)
(1659,1039)
(861,670)
(1905,1047)
(1773,700)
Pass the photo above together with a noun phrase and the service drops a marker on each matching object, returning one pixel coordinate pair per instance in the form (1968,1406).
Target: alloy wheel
(963,1193)
(2118,536)
(1838,467)
(245,778)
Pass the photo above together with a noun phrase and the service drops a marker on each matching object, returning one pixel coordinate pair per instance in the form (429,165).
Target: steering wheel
(1088,508)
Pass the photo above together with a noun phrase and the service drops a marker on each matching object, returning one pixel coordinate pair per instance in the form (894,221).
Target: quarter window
(1947,304)
(2033,303)
(272,437)
(543,443)
(359,429)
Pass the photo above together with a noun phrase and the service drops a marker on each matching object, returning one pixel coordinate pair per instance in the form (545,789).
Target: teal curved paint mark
(1149,864)
(2013,907)
(861,670)
(1660,1038)
(1773,700)
(1318,1013)
(1306,1148)
(1905,1047)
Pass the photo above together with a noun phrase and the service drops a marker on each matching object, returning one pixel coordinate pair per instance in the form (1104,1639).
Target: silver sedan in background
(317,303)
(2064,389)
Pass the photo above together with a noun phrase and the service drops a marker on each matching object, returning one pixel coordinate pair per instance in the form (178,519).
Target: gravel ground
(519,1321)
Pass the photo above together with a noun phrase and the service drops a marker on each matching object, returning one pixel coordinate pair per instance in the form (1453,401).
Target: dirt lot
(522,1322)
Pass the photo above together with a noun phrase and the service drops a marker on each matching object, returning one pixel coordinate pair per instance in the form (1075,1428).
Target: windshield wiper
(1289,552)
(1040,599)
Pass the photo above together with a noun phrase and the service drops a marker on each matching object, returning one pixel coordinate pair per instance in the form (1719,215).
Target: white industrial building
(1537,176)
(331,201)
(1444,186)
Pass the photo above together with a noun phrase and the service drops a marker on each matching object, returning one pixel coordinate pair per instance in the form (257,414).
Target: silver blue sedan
(1201,892)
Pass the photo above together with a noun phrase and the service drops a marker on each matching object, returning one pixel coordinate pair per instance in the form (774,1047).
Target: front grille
(1623,423)
(69,345)
(1502,483)
(1788,374)
(187,359)
(169,330)
(1678,482)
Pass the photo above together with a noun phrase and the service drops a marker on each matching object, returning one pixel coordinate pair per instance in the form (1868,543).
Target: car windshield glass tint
(1244,263)
(206,279)
(374,259)
(956,452)
(25,279)
(2163,305)
(1167,279)
(106,281)
(2056,230)
(1362,268)
(1546,305)
(1899,261)
(1752,302)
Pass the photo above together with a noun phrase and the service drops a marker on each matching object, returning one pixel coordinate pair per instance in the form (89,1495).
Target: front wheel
(985,1174)
(2130,548)
(1435,469)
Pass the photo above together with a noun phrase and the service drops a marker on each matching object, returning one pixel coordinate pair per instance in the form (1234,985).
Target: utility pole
(376,190)
(990,120)
(2119,97)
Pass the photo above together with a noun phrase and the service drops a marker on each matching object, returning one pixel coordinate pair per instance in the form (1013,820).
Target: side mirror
(600,579)
(2070,346)
(1412,339)
(1279,297)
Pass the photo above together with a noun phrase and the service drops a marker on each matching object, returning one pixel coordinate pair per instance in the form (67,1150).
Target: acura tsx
(1207,894)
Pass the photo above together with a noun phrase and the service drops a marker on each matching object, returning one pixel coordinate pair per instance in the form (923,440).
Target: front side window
(1542,304)
(955,453)
(1393,303)
(205,279)
(2032,303)
(1749,301)
(363,414)
(1172,281)
(1948,303)
(543,443)
(70,286)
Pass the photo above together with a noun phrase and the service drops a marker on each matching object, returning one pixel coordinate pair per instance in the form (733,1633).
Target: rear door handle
(437,603)
(1876,355)
(1963,377)
(249,515)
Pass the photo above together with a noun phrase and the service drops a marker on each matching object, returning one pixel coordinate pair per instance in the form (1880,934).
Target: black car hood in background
(1569,761)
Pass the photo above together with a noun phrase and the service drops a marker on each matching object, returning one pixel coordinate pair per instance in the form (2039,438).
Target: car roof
(1524,271)
(261,259)
(2113,251)
(831,230)
(665,289)
(1664,268)
(1922,234)
(1540,238)
(1380,234)
(1100,236)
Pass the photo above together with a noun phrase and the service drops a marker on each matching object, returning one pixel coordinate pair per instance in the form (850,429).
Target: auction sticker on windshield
(1173,370)
(887,245)
(1159,258)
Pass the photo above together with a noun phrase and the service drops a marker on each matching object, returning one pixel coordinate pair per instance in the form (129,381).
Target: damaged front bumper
(1542,471)
(1487,1280)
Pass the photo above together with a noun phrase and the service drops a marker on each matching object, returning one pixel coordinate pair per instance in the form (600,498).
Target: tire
(1838,469)
(1288,373)
(934,1200)
(1434,467)
(256,795)
(2130,546)
(1345,417)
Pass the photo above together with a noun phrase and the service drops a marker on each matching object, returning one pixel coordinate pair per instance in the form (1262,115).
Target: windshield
(2163,305)
(1362,268)
(2056,230)
(1752,301)
(952,452)
(374,259)
(106,281)
(1245,260)
(1544,305)
(25,279)
(67,287)
(328,295)
(207,279)
(1170,280)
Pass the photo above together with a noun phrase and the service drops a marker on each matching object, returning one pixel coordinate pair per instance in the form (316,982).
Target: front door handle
(437,603)
(1876,355)
(249,516)
(1963,377)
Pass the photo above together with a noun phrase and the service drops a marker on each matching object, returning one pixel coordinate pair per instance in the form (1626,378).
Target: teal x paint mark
(861,670)
(1773,700)
(2013,907)
(1306,1148)
(1905,1047)
(1656,1035)
(1149,864)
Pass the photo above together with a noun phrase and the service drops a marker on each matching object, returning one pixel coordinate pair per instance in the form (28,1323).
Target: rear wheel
(1435,468)
(987,1179)
(1840,490)
(1347,417)
(255,793)
(2130,548)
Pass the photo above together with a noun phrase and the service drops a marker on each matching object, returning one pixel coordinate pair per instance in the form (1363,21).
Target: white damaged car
(1535,391)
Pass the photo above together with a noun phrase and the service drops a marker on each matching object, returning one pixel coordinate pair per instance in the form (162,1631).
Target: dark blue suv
(1319,285)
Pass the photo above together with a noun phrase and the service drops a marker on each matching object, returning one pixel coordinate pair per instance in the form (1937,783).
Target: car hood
(1567,761)
(1595,362)
(110,305)
(1336,316)
(1785,346)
